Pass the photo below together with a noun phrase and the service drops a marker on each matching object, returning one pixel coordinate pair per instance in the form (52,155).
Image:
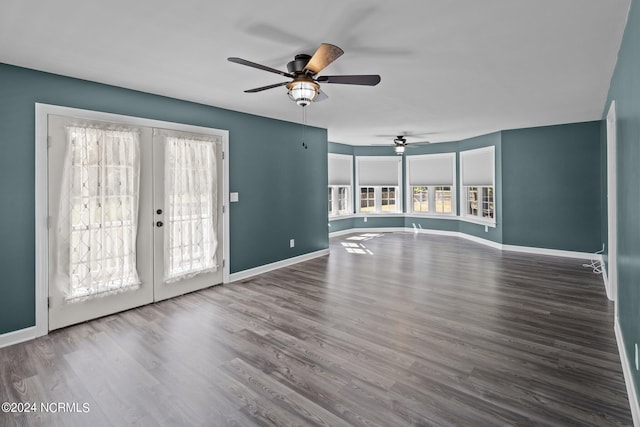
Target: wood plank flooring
(394,329)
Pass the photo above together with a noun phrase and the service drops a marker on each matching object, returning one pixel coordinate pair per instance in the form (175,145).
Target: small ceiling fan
(305,88)
(400,144)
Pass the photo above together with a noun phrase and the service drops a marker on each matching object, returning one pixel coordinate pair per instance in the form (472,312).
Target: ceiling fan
(305,88)
(400,144)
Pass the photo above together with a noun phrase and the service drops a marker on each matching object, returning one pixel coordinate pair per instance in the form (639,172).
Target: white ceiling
(450,69)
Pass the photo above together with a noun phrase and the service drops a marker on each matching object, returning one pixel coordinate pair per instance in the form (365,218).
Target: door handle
(159,224)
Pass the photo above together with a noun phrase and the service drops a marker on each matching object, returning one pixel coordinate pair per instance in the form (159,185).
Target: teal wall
(282,185)
(625,90)
(551,187)
(337,148)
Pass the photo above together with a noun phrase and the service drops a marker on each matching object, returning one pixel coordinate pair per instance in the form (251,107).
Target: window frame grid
(377,199)
(335,198)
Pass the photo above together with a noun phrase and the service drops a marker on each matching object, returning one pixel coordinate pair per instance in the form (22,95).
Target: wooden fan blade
(260,89)
(417,144)
(325,55)
(362,79)
(258,66)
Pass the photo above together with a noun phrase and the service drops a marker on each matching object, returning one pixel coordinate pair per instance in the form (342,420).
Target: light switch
(233,197)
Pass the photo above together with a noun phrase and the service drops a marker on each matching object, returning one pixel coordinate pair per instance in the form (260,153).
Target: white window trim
(464,216)
(474,220)
(378,188)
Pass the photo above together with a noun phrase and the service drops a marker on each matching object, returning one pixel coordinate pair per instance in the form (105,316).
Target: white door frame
(41,184)
(612,222)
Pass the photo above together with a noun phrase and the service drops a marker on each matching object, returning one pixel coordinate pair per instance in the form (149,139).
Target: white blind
(340,167)
(377,170)
(431,169)
(477,166)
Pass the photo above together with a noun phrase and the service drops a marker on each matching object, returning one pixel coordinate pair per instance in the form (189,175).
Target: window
(420,199)
(443,199)
(472,200)
(98,224)
(339,200)
(389,201)
(367,199)
(487,202)
(191,239)
(340,184)
(431,180)
(378,184)
(477,169)
(343,200)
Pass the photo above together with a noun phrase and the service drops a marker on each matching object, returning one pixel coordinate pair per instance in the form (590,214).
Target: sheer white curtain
(98,214)
(191,239)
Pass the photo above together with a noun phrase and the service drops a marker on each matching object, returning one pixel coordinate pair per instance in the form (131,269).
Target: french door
(135,216)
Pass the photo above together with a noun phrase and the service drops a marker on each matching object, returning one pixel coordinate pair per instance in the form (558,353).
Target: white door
(188,212)
(109,200)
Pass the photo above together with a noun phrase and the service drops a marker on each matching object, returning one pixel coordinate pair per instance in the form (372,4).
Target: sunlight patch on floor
(356,248)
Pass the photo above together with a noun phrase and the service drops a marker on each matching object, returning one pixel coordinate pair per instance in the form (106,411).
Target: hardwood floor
(389,330)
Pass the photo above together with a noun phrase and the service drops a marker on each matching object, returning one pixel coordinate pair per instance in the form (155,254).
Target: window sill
(363,214)
(431,216)
(344,216)
(478,221)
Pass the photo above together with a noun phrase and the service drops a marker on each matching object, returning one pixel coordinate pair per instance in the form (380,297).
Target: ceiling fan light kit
(303,92)
(304,88)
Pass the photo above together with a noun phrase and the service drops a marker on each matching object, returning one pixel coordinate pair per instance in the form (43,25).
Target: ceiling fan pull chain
(304,125)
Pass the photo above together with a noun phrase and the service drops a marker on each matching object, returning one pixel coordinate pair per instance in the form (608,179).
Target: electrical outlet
(486,228)
(292,243)
(637,366)
(365,219)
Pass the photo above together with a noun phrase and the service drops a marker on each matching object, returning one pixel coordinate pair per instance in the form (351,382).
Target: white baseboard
(433,232)
(551,252)
(628,377)
(368,230)
(341,232)
(245,274)
(16,337)
(490,243)
(476,239)
(482,241)
(605,279)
